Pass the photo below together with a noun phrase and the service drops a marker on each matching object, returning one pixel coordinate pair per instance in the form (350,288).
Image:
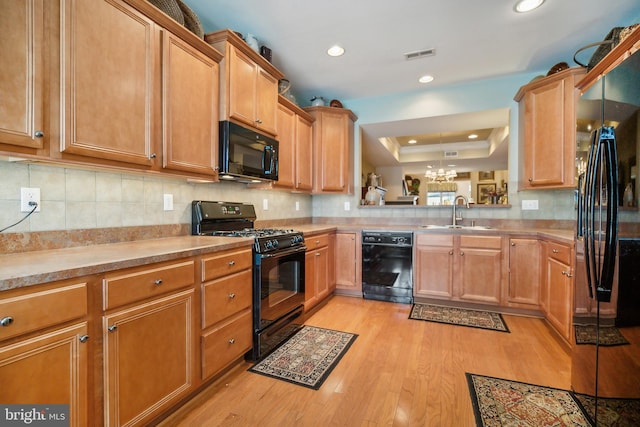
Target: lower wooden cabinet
(559,283)
(348,263)
(524,273)
(148,358)
(319,269)
(459,267)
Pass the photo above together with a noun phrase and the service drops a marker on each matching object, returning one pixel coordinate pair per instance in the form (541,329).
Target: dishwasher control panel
(399,238)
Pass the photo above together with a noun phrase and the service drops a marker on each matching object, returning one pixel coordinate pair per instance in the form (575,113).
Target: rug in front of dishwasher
(307,358)
(459,316)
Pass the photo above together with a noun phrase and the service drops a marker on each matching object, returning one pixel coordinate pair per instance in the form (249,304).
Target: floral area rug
(459,316)
(609,335)
(499,402)
(307,358)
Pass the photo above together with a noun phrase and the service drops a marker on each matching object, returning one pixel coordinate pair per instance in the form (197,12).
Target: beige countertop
(30,268)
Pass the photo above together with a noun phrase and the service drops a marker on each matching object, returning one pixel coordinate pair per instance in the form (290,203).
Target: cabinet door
(479,273)
(434,271)
(310,292)
(322,268)
(286,130)
(109,81)
(560,309)
(242,86)
(266,100)
(48,369)
(21,38)
(347,261)
(304,156)
(524,272)
(190,107)
(332,152)
(148,357)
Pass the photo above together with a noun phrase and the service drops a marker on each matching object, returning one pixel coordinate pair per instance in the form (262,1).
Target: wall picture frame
(486,175)
(485,191)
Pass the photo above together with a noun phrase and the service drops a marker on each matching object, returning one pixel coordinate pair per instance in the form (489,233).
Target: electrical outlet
(529,205)
(168,202)
(347,206)
(27,196)
(297,205)
(265,204)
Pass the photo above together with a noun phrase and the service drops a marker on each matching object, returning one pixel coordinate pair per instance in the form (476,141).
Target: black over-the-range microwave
(246,155)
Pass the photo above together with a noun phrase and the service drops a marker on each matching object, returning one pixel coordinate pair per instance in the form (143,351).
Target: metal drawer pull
(317,253)
(6,321)
(112,328)
(461,253)
(39,134)
(232,295)
(84,338)
(513,244)
(232,262)
(555,251)
(158,282)
(450,252)
(232,341)
(569,275)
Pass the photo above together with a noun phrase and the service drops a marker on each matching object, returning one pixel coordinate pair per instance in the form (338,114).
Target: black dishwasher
(387,273)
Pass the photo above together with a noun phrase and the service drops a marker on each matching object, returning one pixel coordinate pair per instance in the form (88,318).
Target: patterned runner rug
(609,335)
(459,316)
(611,412)
(307,358)
(498,402)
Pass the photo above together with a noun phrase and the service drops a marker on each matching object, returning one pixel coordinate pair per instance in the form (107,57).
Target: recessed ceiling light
(473,136)
(425,79)
(411,141)
(523,6)
(335,50)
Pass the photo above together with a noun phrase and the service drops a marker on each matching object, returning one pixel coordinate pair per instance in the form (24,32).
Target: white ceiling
(474,40)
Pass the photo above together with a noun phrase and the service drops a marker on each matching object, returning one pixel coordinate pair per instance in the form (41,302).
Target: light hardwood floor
(399,372)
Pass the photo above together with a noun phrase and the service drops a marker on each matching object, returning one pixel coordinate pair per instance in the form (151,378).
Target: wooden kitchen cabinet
(226,328)
(295,134)
(459,267)
(248,82)
(524,273)
(559,283)
(319,269)
(348,256)
(148,340)
(333,153)
(22,77)
(44,347)
(547,130)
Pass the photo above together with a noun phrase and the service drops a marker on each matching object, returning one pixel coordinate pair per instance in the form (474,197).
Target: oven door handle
(285,252)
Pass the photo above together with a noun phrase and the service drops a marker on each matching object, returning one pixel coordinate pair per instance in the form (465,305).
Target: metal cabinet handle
(461,253)
(232,341)
(6,321)
(232,296)
(530,179)
(317,253)
(258,121)
(112,328)
(38,134)
(450,252)
(232,262)
(513,244)
(569,275)
(158,282)
(555,251)
(84,338)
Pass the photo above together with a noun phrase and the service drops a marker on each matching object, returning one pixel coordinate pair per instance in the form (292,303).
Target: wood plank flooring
(399,372)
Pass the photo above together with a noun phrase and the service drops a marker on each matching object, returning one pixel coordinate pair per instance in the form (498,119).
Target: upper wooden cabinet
(22,77)
(547,130)
(333,149)
(295,160)
(248,82)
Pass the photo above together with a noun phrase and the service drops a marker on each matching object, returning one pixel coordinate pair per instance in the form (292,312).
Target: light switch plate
(265,204)
(529,205)
(168,202)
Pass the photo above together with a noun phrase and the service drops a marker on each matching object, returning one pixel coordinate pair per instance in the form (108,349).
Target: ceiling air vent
(449,154)
(420,54)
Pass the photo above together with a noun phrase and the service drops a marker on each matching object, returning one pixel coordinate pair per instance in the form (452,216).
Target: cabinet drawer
(137,284)
(39,310)
(429,239)
(318,241)
(223,345)
(225,297)
(560,252)
(483,242)
(225,263)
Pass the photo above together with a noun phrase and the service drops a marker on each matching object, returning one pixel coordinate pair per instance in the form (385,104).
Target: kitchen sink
(458,227)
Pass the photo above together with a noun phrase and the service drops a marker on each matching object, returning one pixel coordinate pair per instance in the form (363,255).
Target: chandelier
(441,175)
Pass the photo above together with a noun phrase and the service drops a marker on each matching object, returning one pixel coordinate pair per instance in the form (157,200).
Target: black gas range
(278,268)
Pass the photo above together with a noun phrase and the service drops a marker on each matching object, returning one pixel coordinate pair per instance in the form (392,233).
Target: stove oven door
(278,293)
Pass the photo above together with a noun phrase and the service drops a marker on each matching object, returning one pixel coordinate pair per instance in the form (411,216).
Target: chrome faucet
(455,219)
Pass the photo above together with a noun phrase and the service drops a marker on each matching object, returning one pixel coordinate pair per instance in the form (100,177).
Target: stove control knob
(268,244)
(275,243)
